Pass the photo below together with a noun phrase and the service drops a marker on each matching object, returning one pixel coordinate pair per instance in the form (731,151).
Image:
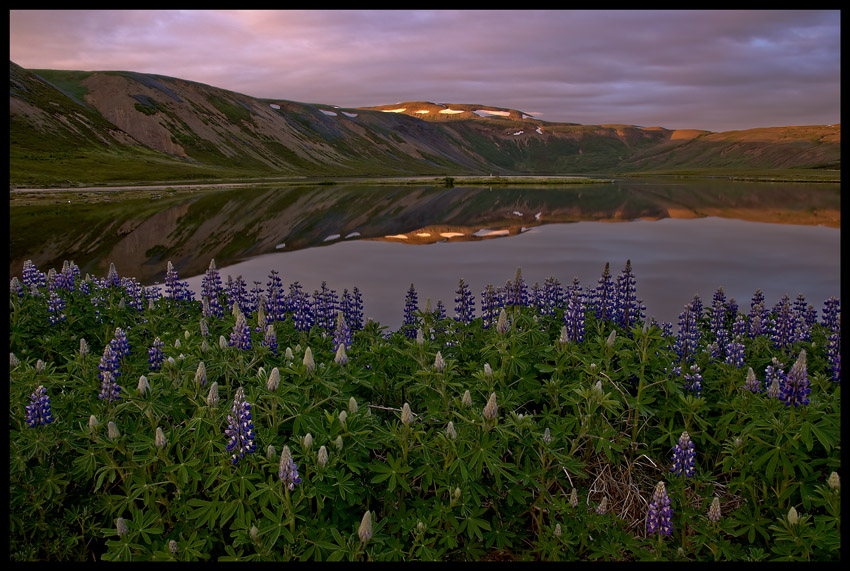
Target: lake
(683,237)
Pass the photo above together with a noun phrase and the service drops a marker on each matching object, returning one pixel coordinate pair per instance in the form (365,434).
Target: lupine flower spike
(365,530)
(288,472)
(38,411)
(683,456)
(659,517)
(240,428)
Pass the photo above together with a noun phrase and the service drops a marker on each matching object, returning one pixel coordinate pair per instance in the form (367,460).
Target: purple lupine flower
(411,306)
(174,288)
(31,276)
(326,307)
(112,277)
(299,305)
(38,411)
(491,305)
(683,456)
(120,344)
(55,306)
(108,362)
(735,352)
(693,380)
(270,338)
(211,289)
(240,337)
(740,327)
(155,355)
(659,516)
(774,373)
(574,313)
(783,324)
(831,313)
(288,471)
(240,428)
(276,299)
(630,309)
(516,292)
(799,311)
(553,296)
(688,336)
(796,388)
(16,287)
(833,352)
(236,292)
(752,384)
(342,333)
(109,389)
(65,278)
(604,301)
(135,294)
(352,308)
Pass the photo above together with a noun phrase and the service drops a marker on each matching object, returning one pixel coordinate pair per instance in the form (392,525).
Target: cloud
(716,70)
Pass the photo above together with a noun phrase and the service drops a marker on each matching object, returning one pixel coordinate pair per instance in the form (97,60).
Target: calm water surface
(672,259)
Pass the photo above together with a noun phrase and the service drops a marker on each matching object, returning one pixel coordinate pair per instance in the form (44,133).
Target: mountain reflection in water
(360,236)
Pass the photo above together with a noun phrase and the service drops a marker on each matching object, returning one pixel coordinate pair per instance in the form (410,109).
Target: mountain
(77,127)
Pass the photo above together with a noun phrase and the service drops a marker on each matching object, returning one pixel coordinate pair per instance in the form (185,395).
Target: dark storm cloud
(716,70)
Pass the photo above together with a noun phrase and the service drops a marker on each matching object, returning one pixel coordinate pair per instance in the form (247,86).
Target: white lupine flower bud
(439,363)
(308,441)
(254,533)
(488,371)
(365,530)
(450,430)
(611,338)
(834,481)
(274,380)
(308,360)
(466,400)
(574,498)
(39,366)
(714,510)
(338,443)
(144,386)
(177,344)
(212,396)
(420,338)
(13,361)
(564,337)
(222,342)
(491,409)
(343,417)
(602,508)
(271,452)
(112,431)
(456,494)
(793,518)
(352,405)
(557,530)
(93,422)
(159,439)
(201,374)
(288,354)
(406,415)
(340,358)
(121,526)
(205,330)
(204,346)
(322,456)
(84,348)
(547,436)
(502,323)
(172,546)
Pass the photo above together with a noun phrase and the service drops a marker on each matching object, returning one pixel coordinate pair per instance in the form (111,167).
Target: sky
(717,70)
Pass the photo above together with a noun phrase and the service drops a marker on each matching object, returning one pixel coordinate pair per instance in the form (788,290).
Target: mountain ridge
(103,127)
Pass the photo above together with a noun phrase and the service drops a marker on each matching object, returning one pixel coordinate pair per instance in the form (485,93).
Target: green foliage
(576,425)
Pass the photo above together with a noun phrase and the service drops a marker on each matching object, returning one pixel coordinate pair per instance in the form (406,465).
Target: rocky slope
(74,127)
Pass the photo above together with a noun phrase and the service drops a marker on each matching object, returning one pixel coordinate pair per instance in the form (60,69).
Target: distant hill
(80,127)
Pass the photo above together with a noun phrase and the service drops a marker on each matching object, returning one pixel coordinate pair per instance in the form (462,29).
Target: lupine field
(262,422)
